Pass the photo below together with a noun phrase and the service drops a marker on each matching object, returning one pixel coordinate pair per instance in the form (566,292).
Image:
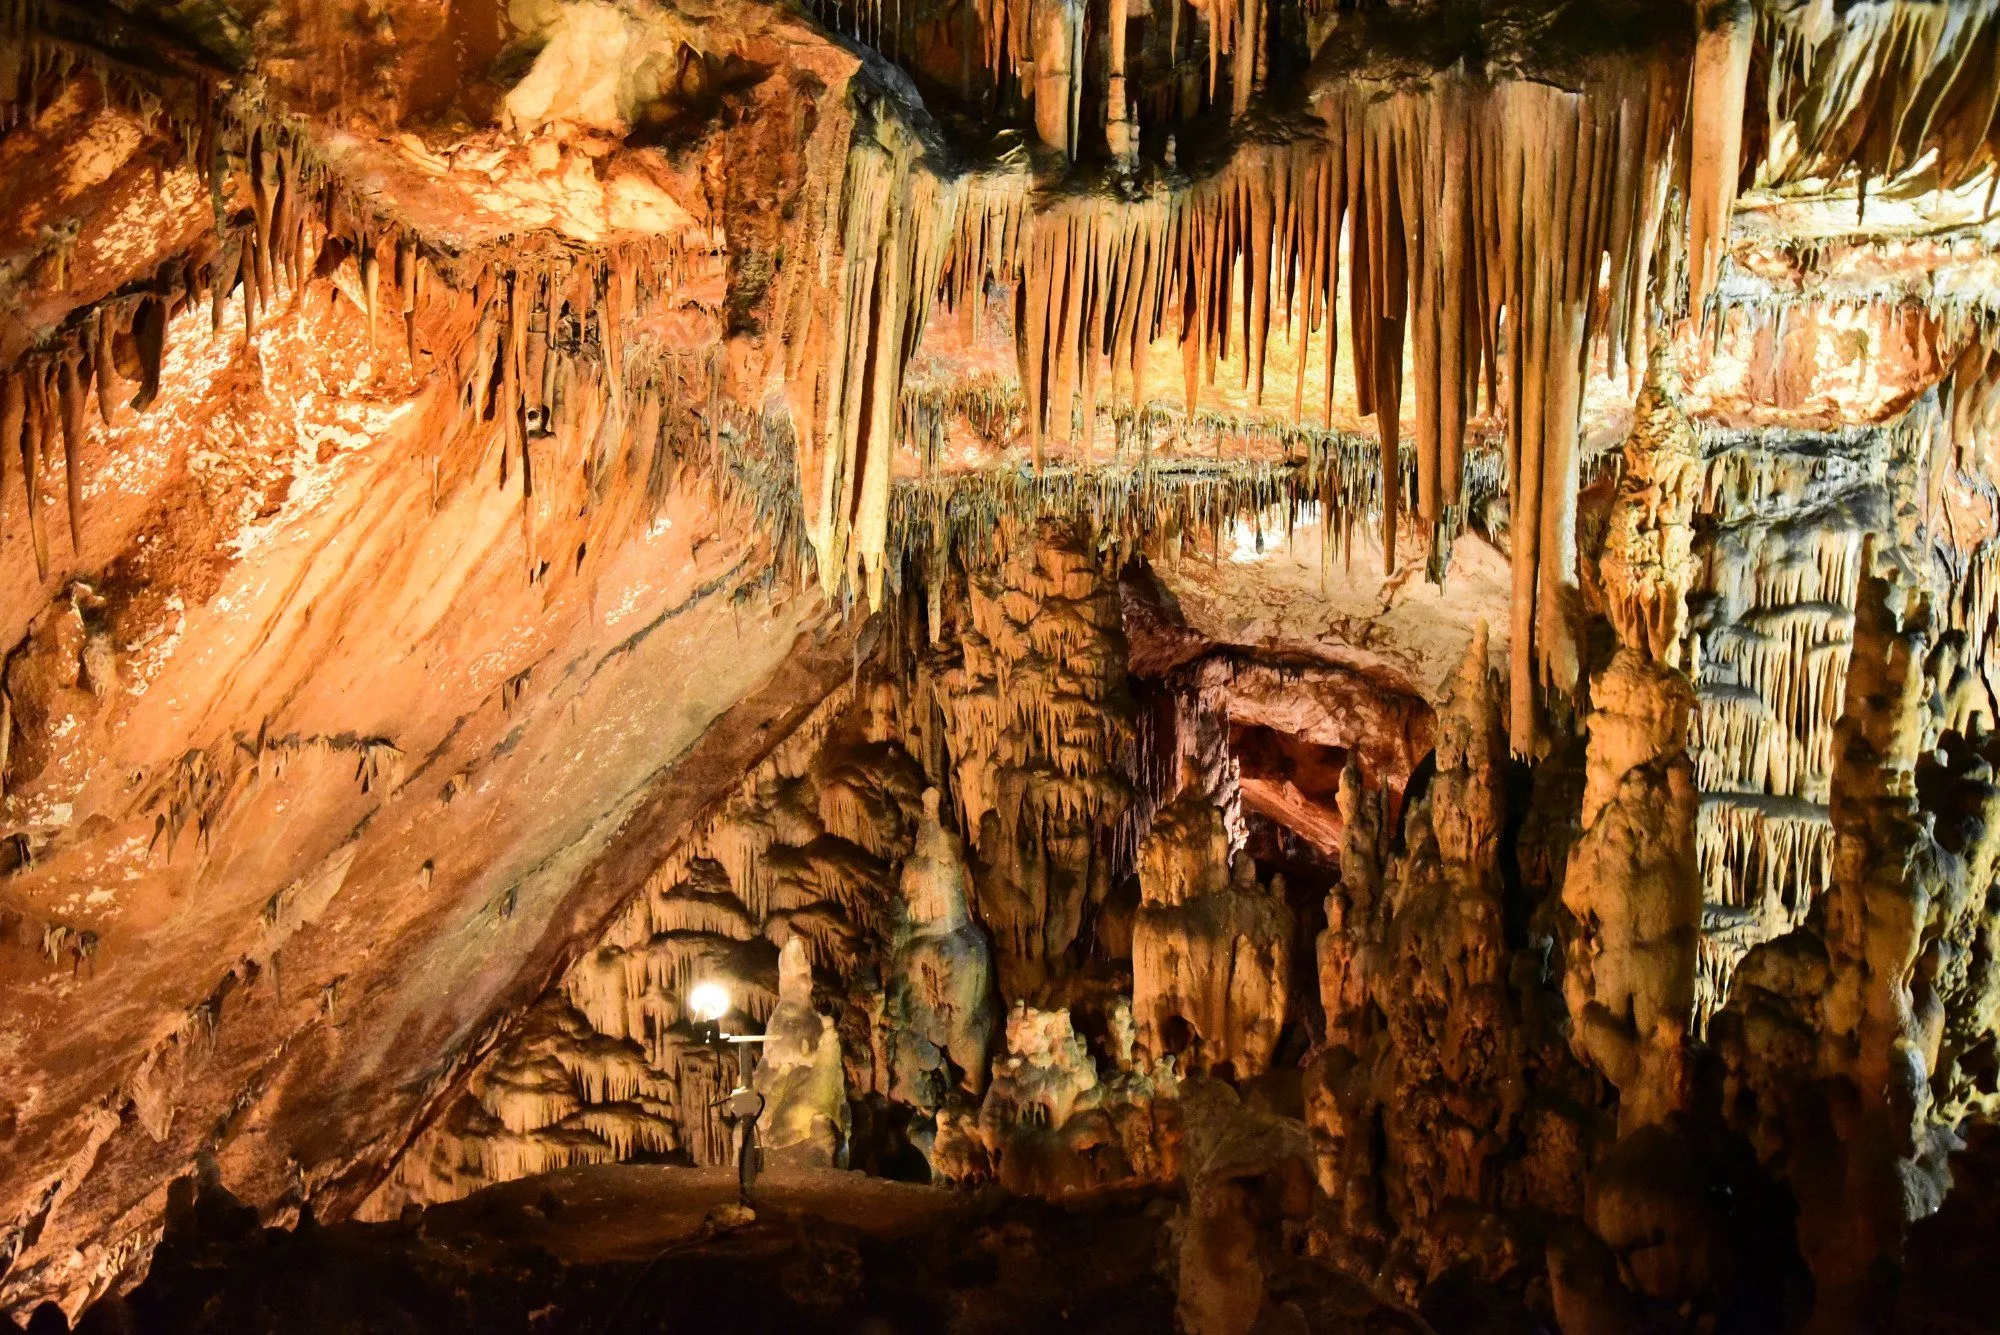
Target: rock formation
(1835,1041)
(1211,947)
(799,1073)
(940,1010)
(1038,725)
(1632,884)
(1237,1164)
(1068,560)
(1051,1124)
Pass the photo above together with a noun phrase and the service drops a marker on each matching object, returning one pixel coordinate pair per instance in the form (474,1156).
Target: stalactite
(1511,196)
(304,225)
(36,434)
(1791,513)
(895,217)
(71,389)
(13,421)
(1876,87)
(1715,138)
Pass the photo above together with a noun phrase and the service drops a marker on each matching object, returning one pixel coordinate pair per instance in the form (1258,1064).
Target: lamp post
(708,1002)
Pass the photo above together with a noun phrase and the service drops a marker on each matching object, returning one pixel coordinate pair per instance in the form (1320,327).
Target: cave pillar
(1447,1084)
(1211,948)
(1038,723)
(1877,1045)
(1633,884)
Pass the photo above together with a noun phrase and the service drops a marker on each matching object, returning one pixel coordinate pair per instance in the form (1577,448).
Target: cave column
(1874,1053)
(1633,885)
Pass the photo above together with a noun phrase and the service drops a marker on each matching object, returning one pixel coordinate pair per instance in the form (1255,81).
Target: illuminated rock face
(1037,722)
(940,1009)
(509,512)
(1211,957)
(1632,885)
(805,1118)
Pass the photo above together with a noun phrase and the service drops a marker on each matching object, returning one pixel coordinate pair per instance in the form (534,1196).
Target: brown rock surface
(971,530)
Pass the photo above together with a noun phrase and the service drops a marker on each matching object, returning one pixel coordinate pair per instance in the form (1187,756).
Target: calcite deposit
(1257,665)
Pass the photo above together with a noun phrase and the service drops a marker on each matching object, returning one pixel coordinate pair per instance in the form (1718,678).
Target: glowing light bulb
(708,1001)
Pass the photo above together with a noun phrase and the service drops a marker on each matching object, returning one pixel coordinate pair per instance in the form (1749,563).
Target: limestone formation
(1211,947)
(1236,1163)
(799,1073)
(1038,724)
(1454,1094)
(1632,885)
(1648,565)
(940,1010)
(1418,1105)
(1052,1124)
(1633,890)
(539,538)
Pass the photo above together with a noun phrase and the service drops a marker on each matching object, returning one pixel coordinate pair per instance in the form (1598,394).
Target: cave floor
(634,1247)
(617,1213)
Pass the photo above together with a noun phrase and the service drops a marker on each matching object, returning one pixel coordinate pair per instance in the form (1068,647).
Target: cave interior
(1232,666)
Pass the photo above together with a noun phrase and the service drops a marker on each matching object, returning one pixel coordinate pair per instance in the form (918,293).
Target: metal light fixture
(707,1002)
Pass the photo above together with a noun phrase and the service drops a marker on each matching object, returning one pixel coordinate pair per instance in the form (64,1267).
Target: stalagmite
(1239,1161)
(1886,884)
(1417,1096)
(1634,889)
(1344,955)
(1052,1124)
(1211,947)
(1843,1038)
(940,1010)
(805,1118)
